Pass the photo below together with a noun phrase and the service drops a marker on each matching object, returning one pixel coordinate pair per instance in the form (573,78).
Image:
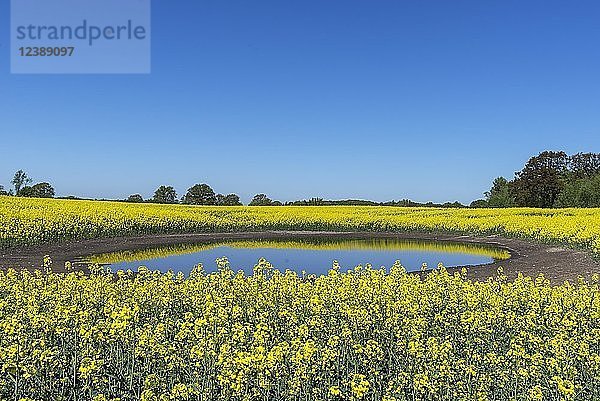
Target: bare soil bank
(531,258)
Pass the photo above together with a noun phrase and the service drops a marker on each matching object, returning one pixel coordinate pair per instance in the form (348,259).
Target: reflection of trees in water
(380,244)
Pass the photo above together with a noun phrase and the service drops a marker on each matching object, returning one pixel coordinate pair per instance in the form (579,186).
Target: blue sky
(339,99)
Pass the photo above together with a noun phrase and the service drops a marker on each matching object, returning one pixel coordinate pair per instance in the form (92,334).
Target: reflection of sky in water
(312,261)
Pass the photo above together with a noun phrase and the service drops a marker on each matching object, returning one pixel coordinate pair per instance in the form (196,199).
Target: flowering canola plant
(367,334)
(33,221)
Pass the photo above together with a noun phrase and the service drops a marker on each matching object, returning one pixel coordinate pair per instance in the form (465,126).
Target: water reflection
(311,255)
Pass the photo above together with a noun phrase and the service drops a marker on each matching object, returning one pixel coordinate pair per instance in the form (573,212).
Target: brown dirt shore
(556,263)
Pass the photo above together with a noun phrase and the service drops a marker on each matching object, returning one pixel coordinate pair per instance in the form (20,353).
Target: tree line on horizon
(550,179)
(361,202)
(22,188)
(201,194)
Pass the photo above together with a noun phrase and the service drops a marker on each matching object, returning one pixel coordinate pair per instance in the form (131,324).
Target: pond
(312,255)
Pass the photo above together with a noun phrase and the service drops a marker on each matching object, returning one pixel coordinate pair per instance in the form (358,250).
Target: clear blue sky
(428,100)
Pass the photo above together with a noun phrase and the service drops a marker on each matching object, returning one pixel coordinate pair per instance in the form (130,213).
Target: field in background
(25,221)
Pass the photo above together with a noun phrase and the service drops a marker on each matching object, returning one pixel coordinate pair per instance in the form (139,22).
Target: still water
(314,256)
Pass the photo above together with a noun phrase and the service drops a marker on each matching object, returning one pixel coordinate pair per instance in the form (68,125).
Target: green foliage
(40,190)
(312,202)
(26,192)
(263,200)
(3,192)
(135,198)
(200,194)
(165,194)
(20,180)
(228,200)
(43,190)
(585,165)
(500,195)
(582,192)
(550,179)
(362,202)
(479,203)
(541,180)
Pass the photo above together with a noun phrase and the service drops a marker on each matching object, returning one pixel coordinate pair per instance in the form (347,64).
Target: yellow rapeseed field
(363,335)
(30,221)
(368,334)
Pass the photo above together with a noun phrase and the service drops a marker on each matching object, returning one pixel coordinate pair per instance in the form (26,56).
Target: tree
(228,200)
(585,165)
(582,192)
(3,191)
(479,203)
(549,179)
(541,180)
(500,194)
(42,190)
(135,198)
(261,200)
(19,181)
(165,194)
(26,192)
(200,194)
